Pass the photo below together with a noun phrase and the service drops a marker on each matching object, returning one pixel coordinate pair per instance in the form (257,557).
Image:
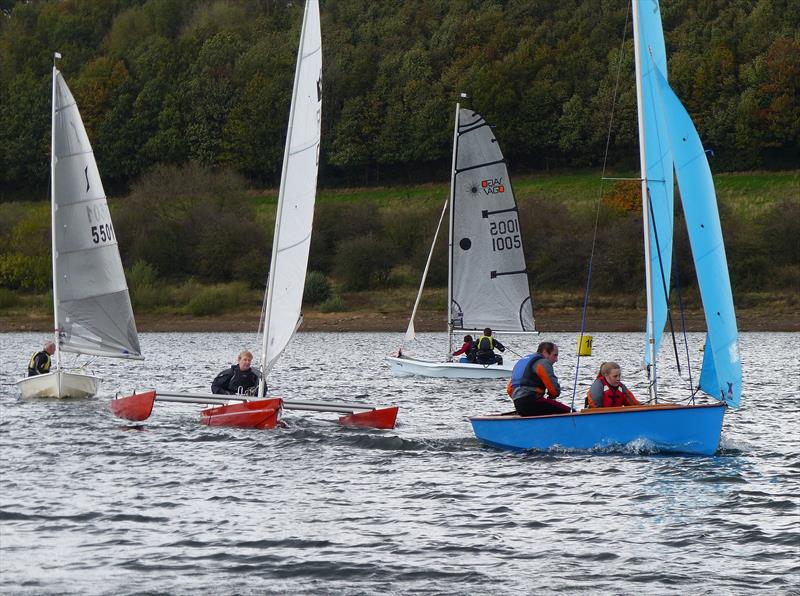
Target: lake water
(94,505)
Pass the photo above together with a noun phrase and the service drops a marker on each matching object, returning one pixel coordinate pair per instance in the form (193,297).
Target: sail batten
(93,313)
(488,271)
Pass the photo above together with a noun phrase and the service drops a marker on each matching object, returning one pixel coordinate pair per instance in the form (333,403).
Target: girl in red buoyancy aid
(608,391)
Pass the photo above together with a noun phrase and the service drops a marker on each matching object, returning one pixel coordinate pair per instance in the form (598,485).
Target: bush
(333,304)
(363,262)
(7,298)
(208,301)
(317,288)
(23,272)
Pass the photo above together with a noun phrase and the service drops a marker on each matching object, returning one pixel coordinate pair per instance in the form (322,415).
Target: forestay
(92,306)
(489,278)
(295,211)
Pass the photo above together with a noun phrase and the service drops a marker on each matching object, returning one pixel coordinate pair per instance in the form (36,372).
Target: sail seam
(472,128)
(305,147)
(298,243)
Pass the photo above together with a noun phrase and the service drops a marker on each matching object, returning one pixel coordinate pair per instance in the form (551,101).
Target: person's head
(50,348)
(245,358)
(611,372)
(549,350)
(467,338)
(487,332)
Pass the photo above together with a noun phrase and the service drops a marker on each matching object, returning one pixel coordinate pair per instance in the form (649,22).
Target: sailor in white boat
(608,390)
(534,385)
(40,361)
(468,349)
(485,347)
(239,378)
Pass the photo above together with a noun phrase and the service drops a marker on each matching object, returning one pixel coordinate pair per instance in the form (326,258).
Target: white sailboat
(91,305)
(488,279)
(291,243)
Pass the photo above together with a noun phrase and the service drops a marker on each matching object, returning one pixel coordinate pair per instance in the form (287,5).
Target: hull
(59,385)
(406,367)
(262,413)
(678,429)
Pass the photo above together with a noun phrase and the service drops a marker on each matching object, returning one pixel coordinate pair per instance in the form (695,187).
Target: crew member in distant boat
(484,349)
(239,378)
(468,349)
(40,361)
(535,385)
(608,390)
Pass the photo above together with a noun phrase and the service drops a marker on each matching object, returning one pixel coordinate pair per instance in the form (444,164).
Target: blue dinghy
(668,141)
(669,428)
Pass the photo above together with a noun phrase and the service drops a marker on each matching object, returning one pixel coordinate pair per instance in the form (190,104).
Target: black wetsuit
(230,380)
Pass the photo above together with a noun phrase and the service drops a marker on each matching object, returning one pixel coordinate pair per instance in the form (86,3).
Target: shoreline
(550,320)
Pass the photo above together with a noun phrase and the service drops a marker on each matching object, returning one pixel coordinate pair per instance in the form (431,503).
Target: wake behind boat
(488,279)
(91,305)
(667,140)
(291,242)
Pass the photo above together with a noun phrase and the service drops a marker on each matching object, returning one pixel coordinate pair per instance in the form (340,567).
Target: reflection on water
(93,505)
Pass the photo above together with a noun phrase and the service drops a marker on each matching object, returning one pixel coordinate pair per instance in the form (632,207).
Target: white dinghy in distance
(488,279)
(92,307)
(291,243)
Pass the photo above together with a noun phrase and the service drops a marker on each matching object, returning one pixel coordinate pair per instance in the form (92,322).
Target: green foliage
(317,288)
(8,298)
(333,304)
(24,272)
(363,262)
(165,81)
(208,301)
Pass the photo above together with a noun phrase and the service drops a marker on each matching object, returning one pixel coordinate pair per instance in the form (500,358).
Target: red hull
(384,418)
(136,407)
(263,413)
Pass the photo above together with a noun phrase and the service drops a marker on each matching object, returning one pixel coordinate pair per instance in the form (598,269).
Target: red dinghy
(262,413)
(136,407)
(383,418)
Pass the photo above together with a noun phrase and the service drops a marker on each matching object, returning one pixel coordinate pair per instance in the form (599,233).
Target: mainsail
(295,211)
(489,279)
(93,311)
(658,159)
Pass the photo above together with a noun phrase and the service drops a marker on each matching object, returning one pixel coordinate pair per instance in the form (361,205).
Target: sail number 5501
(102,233)
(504,236)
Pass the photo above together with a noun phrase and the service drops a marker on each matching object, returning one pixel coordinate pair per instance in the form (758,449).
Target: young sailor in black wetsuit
(485,347)
(239,378)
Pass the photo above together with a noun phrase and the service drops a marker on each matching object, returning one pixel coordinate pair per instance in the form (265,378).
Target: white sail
(93,311)
(295,212)
(489,278)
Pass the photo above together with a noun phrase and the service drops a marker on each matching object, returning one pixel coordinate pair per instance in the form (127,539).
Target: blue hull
(679,429)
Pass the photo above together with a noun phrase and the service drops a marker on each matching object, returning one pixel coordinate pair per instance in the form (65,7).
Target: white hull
(59,385)
(406,367)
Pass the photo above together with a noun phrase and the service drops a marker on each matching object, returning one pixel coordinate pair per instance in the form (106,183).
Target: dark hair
(546,347)
(488,331)
(467,338)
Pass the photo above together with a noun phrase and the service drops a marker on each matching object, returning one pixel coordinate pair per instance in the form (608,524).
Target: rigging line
(663,282)
(683,326)
(599,202)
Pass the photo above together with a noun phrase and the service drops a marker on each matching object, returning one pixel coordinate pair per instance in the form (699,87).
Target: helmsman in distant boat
(40,361)
(239,378)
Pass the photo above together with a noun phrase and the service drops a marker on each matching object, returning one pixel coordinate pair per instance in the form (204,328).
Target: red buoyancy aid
(613,397)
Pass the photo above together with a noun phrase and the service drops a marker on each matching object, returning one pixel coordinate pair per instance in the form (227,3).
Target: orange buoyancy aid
(613,397)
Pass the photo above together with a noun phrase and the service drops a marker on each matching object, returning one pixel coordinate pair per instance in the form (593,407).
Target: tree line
(171,82)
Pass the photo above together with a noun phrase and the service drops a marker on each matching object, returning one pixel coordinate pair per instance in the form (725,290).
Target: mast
(56,331)
(450,235)
(648,274)
(262,385)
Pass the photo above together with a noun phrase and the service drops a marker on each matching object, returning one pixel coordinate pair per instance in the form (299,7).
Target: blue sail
(721,375)
(658,158)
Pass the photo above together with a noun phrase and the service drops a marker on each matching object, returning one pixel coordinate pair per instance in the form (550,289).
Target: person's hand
(449,358)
